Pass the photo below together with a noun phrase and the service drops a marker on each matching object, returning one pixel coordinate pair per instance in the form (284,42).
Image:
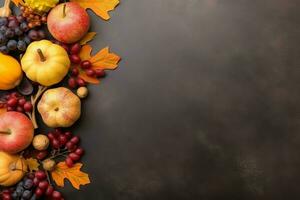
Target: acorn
(40,142)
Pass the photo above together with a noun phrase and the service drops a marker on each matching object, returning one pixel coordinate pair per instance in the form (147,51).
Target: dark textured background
(204,105)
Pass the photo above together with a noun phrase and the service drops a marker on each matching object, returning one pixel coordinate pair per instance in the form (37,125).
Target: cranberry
(72,83)
(86,64)
(43,185)
(49,190)
(75,140)
(28,106)
(80,82)
(41,175)
(22,101)
(90,72)
(100,73)
(75,59)
(12,102)
(69,162)
(75,48)
(74,156)
(79,151)
(75,71)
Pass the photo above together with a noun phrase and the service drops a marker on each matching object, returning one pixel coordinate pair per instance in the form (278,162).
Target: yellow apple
(59,107)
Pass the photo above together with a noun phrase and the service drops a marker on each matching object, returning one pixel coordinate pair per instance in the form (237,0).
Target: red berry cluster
(43,187)
(16,102)
(80,65)
(59,139)
(6,194)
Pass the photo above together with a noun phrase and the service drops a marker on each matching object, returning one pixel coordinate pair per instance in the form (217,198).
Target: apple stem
(43,58)
(64,10)
(5,132)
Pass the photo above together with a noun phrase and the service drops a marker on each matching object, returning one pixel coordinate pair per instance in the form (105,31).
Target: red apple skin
(19,130)
(72,27)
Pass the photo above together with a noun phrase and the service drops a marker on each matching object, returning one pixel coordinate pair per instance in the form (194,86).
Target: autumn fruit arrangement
(46,65)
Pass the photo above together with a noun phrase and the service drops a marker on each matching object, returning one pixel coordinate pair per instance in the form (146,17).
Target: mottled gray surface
(204,105)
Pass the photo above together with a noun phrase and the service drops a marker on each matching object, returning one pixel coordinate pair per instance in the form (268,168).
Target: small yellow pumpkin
(45,62)
(12,169)
(10,72)
(59,107)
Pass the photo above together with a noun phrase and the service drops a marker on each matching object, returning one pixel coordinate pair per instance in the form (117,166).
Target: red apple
(16,132)
(68,22)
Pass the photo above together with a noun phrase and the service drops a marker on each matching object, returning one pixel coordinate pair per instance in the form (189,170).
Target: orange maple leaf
(102,60)
(17,2)
(87,38)
(73,174)
(100,7)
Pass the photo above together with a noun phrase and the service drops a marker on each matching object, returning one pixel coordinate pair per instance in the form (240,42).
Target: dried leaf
(17,2)
(102,60)
(85,52)
(87,38)
(100,7)
(88,79)
(73,174)
(105,60)
(33,164)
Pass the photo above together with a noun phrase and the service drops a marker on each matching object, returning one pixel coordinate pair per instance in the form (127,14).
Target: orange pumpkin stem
(43,59)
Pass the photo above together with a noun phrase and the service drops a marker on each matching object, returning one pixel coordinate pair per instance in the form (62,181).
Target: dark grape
(4,49)
(3,29)
(2,39)
(20,18)
(33,197)
(28,184)
(20,190)
(33,35)
(24,27)
(26,194)
(12,45)
(18,31)
(41,34)
(3,21)
(27,40)
(15,195)
(21,45)
(13,24)
(9,33)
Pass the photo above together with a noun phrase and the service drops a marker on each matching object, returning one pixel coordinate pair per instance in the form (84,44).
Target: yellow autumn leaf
(33,164)
(87,38)
(73,174)
(100,7)
(105,60)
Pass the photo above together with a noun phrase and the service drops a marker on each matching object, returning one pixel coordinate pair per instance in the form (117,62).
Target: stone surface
(205,104)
